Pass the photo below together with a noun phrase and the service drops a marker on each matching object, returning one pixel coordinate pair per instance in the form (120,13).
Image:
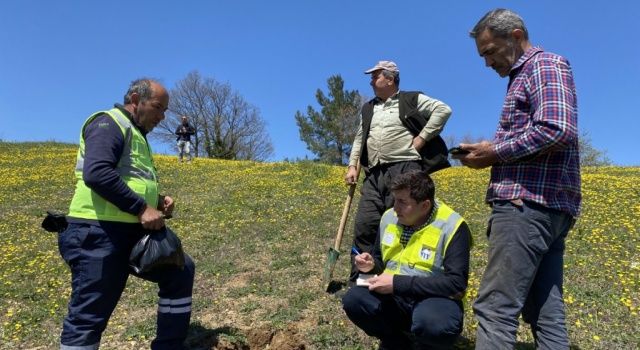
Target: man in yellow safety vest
(115,201)
(417,273)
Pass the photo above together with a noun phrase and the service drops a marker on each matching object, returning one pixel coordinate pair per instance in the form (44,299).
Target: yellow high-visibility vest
(424,253)
(135,167)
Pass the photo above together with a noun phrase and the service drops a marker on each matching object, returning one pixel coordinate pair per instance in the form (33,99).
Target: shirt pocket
(515,112)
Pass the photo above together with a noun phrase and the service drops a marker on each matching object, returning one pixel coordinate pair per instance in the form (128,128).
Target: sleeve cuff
(401,284)
(137,208)
(424,135)
(503,151)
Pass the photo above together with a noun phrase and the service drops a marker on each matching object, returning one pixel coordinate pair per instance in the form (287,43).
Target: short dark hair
(419,184)
(500,22)
(142,87)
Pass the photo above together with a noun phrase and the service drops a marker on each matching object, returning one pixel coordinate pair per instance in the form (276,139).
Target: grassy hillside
(259,234)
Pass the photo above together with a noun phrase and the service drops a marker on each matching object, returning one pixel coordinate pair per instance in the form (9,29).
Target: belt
(517,202)
(384,166)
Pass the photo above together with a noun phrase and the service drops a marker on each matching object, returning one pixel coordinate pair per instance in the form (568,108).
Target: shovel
(334,252)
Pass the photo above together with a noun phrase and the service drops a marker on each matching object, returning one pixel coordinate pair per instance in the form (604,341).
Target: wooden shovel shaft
(345,210)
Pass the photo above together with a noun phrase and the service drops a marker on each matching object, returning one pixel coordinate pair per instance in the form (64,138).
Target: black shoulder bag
(434,153)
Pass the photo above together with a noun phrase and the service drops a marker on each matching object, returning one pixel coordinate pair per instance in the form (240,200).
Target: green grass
(259,234)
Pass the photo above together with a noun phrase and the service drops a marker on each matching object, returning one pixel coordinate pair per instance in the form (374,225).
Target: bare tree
(226,126)
(589,155)
(190,99)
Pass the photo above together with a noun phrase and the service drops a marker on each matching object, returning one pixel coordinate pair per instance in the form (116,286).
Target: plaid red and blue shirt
(537,137)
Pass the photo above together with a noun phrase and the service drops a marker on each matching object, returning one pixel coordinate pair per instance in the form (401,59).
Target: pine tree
(329,132)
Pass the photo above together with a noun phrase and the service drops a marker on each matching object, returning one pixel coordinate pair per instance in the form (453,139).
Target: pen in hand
(364,263)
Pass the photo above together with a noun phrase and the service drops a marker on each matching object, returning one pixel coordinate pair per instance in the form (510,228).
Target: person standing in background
(184,132)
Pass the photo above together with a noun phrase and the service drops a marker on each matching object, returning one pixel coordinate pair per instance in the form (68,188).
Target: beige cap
(386,65)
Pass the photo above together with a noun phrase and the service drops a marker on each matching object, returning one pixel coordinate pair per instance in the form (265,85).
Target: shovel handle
(345,210)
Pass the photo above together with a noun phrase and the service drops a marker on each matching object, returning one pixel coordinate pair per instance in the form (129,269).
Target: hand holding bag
(156,249)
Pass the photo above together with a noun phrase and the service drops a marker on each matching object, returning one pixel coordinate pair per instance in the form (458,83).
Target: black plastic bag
(54,222)
(157,249)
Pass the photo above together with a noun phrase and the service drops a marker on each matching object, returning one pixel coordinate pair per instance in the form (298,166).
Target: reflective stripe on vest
(424,253)
(135,167)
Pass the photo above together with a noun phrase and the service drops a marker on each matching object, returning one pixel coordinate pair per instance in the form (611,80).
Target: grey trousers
(523,275)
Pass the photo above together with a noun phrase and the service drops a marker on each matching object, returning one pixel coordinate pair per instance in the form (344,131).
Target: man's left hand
(382,284)
(481,155)
(418,143)
(166,205)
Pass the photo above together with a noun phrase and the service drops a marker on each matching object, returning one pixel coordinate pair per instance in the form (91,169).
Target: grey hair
(142,87)
(500,22)
(392,75)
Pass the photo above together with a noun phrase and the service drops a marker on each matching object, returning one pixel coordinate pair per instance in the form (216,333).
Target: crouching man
(421,267)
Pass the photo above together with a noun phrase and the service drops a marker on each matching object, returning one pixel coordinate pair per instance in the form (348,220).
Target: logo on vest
(425,253)
(388,239)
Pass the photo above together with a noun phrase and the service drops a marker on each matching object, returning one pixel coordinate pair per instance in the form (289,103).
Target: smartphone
(458,150)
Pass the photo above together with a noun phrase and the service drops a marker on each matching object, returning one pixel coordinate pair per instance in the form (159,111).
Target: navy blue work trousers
(401,323)
(98,256)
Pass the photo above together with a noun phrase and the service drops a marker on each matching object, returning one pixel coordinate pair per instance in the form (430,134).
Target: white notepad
(363,279)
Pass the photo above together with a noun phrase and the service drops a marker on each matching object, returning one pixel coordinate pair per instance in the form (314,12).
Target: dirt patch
(259,338)
(239,280)
(226,344)
(264,338)
(287,340)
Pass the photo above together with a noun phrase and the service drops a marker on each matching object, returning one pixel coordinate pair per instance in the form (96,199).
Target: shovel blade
(332,258)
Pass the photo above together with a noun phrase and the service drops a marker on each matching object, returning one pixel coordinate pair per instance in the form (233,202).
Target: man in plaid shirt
(534,190)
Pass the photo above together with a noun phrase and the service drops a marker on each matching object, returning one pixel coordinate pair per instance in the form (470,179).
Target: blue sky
(62,60)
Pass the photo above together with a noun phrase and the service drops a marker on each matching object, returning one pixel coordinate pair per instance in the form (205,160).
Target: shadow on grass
(202,338)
